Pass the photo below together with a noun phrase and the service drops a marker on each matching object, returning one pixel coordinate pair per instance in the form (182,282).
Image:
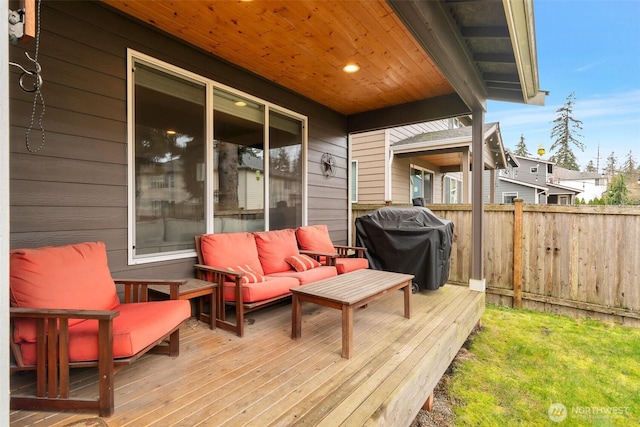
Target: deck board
(266,378)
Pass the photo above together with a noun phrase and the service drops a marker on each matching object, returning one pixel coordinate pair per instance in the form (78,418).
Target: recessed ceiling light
(171,132)
(241,104)
(351,68)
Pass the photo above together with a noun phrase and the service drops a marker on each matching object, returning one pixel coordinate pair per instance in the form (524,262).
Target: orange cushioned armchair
(315,239)
(65,312)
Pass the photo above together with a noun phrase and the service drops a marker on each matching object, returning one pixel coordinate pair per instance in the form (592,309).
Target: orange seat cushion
(347,265)
(274,247)
(60,277)
(315,238)
(138,326)
(253,292)
(230,249)
(309,276)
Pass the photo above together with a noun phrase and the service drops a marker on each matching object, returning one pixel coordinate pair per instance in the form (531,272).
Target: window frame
(446,183)
(423,171)
(134,57)
(353,191)
(509,194)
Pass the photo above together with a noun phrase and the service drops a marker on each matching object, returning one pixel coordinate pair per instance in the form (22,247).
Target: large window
(509,196)
(238,166)
(421,184)
(285,171)
(169,137)
(205,158)
(452,192)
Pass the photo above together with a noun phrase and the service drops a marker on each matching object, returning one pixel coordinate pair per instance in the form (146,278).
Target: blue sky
(592,48)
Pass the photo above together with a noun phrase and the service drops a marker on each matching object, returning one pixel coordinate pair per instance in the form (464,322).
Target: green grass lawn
(521,362)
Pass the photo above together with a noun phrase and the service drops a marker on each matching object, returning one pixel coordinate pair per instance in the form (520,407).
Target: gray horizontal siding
(75,188)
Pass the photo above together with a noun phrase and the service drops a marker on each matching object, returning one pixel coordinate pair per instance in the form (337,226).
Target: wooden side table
(195,288)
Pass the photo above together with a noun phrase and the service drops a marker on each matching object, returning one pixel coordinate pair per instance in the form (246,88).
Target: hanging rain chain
(38,99)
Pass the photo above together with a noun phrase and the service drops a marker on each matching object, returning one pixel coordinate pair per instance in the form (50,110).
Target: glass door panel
(238,163)
(285,171)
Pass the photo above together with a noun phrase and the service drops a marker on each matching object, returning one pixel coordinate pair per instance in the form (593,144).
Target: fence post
(517,253)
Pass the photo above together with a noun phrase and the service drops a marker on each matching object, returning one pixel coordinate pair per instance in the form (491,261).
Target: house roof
(554,189)
(562,189)
(534,159)
(419,61)
(523,184)
(511,159)
(567,174)
(444,147)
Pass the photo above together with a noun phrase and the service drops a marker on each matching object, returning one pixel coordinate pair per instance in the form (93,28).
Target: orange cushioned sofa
(315,239)
(66,312)
(254,269)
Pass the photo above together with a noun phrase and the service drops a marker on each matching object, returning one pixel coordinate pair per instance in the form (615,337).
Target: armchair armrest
(48,313)
(216,275)
(343,251)
(330,257)
(136,290)
(219,276)
(52,355)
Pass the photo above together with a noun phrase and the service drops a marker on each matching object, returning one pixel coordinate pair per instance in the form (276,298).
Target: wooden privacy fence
(582,261)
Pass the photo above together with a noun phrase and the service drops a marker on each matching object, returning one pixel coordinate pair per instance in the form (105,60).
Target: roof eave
(520,20)
(434,30)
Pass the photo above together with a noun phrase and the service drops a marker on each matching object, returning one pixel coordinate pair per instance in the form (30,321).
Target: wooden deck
(266,378)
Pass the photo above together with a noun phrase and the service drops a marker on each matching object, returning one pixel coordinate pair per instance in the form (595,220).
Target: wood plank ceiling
(304,45)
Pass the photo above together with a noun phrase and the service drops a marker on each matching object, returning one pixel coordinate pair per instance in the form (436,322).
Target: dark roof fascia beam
(439,107)
(427,152)
(434,29)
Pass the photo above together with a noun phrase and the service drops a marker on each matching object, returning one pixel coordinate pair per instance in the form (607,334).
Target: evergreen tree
(617,193)
(521,148)
(564,134)
(612,164)
(590,167)
(629,166)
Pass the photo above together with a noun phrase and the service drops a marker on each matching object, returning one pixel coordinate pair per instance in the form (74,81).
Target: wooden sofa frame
(219,275)
(52,353)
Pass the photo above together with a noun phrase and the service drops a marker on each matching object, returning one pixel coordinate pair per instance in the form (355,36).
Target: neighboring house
(430,160)
(529,179)
(591,185)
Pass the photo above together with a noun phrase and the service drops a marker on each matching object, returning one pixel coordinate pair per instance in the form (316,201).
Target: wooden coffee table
(347,292)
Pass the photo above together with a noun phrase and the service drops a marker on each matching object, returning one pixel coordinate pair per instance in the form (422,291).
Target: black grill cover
(409,240)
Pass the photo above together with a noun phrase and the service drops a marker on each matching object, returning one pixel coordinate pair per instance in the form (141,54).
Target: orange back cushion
(226,250)
(315,238)
(60,277)
(274,247)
